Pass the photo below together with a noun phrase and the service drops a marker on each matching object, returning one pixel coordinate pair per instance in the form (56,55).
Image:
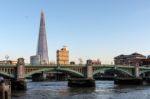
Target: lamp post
(6,57)
(129,62)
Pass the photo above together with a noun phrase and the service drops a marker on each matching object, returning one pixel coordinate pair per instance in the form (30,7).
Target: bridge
(24,71)
(77,70)
(20,71)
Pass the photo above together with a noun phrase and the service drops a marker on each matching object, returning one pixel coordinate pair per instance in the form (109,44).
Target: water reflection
(60,90)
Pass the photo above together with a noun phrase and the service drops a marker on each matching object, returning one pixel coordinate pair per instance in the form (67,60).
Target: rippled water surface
(60,90)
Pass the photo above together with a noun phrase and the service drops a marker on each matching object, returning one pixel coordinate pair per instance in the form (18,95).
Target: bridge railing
(7,65)
(145,66)
(27,64)
(55,65)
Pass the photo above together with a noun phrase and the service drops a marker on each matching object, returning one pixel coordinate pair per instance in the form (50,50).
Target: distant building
(41,56)
(94,62)
(35,60)
(132,59)
(62,56)
(8,62)
(72,63)
(145,62)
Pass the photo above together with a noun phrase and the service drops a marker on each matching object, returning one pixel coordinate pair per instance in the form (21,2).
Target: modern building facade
(62,56)
(41,56)
(35,60)
(131,60)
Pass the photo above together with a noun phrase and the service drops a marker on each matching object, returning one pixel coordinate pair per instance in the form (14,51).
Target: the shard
(42,49)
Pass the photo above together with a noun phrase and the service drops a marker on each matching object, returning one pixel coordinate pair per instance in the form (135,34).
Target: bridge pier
(20,82)
(136,80)
(5,90)
(137,74)
(88,81)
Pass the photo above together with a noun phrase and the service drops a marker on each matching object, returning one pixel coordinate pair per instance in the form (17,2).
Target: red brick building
(131,60)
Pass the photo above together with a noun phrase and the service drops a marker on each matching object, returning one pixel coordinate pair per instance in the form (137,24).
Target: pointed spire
(42,18)
(42,48)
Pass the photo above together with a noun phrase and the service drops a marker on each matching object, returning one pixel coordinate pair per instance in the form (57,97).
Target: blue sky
(90,28)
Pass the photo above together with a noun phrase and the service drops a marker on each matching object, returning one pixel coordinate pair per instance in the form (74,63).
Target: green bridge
(19,72)
(23,71)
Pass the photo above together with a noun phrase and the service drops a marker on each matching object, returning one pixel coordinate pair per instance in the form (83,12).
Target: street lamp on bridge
(6,57)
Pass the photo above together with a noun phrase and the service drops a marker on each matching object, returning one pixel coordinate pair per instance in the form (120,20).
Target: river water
(60,90)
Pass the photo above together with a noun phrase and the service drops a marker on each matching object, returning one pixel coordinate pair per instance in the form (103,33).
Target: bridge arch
(7,75)
(73,72)
(145,71)
(106,69)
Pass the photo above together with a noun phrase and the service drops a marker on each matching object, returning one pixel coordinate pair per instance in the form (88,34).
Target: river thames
(60,90)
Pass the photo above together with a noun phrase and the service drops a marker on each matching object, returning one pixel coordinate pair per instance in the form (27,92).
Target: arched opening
(6,95)
(6,75)
(145,74)
(2,76)
(110,74)
(54,74)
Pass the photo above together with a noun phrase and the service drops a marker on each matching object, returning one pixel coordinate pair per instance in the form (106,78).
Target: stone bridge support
(19,83)
(136,80)
(88,81)
(20,69)
(89,68)
(5,90)
(137,73)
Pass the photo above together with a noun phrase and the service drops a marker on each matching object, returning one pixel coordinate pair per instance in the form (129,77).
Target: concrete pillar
(89,73)
(5,90)
(84,82)
(137,74)
(20,69)
(20,77)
